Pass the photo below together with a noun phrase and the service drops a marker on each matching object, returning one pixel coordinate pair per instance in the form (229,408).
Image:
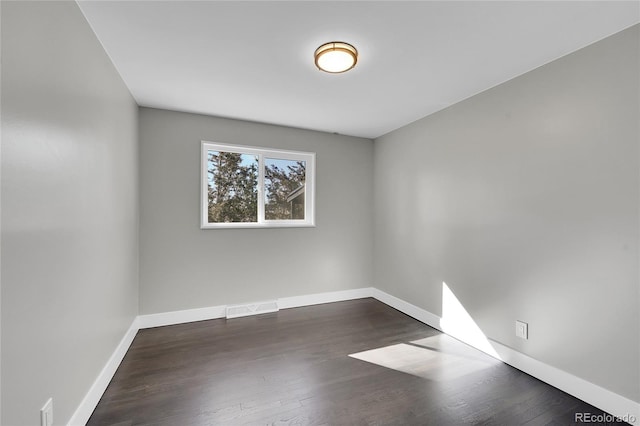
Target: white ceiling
(254,60)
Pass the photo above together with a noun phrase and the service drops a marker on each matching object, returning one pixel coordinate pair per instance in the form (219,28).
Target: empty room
(319,212)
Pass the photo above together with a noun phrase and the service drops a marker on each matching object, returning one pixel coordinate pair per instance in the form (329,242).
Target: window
(248,187)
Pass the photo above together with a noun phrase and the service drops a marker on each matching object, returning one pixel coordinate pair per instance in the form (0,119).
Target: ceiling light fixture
(336,57)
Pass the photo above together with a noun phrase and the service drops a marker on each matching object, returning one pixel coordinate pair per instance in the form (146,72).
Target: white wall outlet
(522,330)
(46,413)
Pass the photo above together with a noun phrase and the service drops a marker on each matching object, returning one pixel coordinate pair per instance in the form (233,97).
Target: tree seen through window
(284,189)
(232,188)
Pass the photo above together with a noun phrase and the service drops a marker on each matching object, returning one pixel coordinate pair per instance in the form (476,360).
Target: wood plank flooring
(348,363)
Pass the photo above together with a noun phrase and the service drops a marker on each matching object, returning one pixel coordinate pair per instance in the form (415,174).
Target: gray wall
(524,199)
(182,266)
(70,209)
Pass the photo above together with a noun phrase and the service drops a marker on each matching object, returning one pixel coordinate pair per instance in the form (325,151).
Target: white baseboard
(180,317)
(595,395)
(407,308)
(91,399)
(215,312)
(319,298)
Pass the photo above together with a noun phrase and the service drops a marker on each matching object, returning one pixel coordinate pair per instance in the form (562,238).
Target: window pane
(232,186)
(284,182)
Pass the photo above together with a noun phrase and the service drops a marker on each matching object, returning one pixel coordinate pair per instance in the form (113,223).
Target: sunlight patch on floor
(437,358)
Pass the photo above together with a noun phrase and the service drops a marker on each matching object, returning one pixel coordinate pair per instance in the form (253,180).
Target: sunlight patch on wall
(457,322)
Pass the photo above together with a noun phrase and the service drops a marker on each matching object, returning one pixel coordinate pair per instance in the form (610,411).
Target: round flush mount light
(336,57)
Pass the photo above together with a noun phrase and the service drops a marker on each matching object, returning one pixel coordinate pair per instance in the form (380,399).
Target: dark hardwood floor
(348,363)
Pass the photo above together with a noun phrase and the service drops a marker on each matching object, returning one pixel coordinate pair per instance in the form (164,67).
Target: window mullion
(261,194)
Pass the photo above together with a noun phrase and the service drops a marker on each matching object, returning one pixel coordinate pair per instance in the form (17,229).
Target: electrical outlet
(46,413)
(522,330)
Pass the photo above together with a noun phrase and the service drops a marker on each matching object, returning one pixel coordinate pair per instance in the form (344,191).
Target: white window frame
(261,153)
